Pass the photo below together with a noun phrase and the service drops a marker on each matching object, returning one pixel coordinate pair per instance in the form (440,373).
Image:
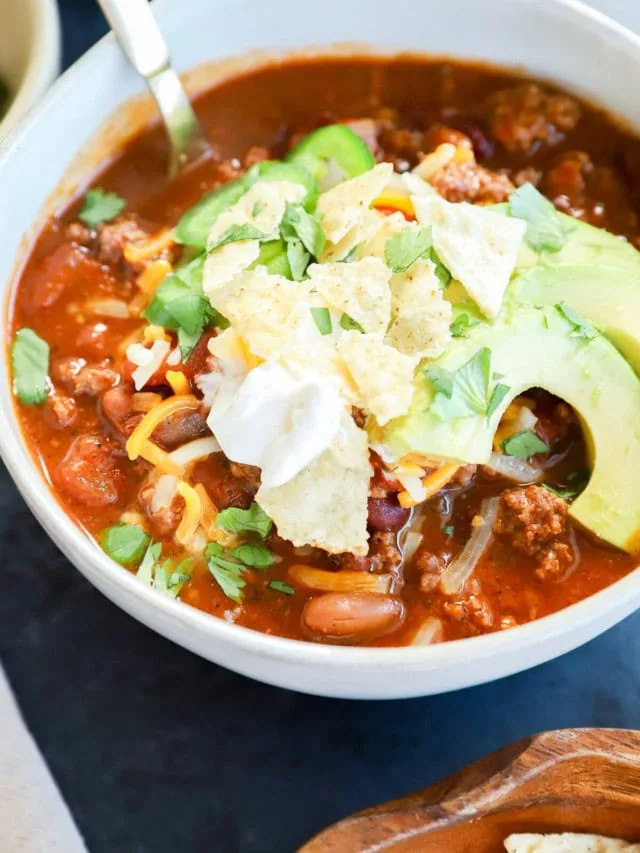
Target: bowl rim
(611,605)
(45,52)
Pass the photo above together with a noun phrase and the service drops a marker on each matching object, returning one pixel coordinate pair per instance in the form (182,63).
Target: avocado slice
(607,296)
(539,348)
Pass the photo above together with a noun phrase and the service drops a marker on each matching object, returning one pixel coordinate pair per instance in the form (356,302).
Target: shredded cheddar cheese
(178,381)
(439,478)
(390,199)
(192,513)
(148,250)
(157,457)
(153,333)
(154,418)
(150,279)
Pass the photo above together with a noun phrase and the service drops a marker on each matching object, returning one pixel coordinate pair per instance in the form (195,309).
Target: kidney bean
(354,617)
(385,515)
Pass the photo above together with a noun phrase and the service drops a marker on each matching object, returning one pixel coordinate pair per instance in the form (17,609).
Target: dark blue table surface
(157,751)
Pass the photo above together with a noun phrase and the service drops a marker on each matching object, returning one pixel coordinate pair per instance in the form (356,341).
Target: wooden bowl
(574,780)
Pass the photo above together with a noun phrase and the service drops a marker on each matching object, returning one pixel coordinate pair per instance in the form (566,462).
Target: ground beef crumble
(535,521)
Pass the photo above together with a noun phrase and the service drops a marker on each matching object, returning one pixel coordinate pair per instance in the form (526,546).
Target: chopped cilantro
(163,577)
(258,207)
(462,324)
(100,206)
(524,444)
(30,365)
(546,232)
(349,324)
(350,257)
(464,392)
(403,249)
(448,529)
(497,396)
(576,484)
(322,319)
(581,328)
(257,556)
(234,234)
(298,259)
(226,572)
(124,543)
(252,520)
(281,586)
(298,224)
(442,273)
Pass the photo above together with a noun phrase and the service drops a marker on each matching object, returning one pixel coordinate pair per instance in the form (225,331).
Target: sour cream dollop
(278,422)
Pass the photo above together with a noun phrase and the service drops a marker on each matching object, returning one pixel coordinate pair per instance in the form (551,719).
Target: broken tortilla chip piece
(479,247)
(360,290)
(345,204)
(422,316)
(567,842)
(326,504)
(383,376)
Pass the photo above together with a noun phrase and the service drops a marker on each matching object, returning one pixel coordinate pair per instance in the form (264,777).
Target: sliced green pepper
(273,256)
(193,229)
(335,142)
(276,170)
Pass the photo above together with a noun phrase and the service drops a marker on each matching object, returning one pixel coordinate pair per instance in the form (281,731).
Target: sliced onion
(458,573)
(334,176)
(436,160)
(342,581)
(525,420)
(411,544)
(515,469)
(208,384)
(174,357)
(430,632)
(164,492)
(108,308)
(199,448)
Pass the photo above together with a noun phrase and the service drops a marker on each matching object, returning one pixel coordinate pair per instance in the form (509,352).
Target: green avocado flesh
(534,348)
(533,345)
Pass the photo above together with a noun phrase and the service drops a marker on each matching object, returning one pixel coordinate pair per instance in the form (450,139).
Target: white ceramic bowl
(559,39)
(29,53)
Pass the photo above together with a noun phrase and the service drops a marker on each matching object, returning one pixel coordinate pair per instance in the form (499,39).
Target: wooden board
(574,780)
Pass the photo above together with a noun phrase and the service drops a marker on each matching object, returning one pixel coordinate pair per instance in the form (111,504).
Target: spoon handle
(139,36)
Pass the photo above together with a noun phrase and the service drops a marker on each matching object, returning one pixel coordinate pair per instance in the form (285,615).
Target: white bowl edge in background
(558,39)
(30,50)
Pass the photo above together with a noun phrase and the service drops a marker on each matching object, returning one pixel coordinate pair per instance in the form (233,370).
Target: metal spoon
(140,38)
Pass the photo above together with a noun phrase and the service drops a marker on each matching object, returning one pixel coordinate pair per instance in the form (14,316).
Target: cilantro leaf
(497,396)
(234,234)
(581,328)
(524,444)
(576,484)
(30,365)
(281,586)
(546,232)
(298,259)
(124,543)
(441,378)
(442,273)
(226,573)
(322,319)
(448,530)
(462,324)
(349,324)
(146,570)
(255,555)
(298,224)
(403,249)
(465,392)
(252,520)
(100,206)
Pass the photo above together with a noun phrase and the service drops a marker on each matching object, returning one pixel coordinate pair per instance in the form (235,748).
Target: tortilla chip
(422,316)
(567,842)
(347,203)
(383,376)
(326,505)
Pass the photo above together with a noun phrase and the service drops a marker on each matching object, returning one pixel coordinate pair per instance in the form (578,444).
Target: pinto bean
(354,617)
(117,408)
(90,473)
(385,515)
(59,411)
